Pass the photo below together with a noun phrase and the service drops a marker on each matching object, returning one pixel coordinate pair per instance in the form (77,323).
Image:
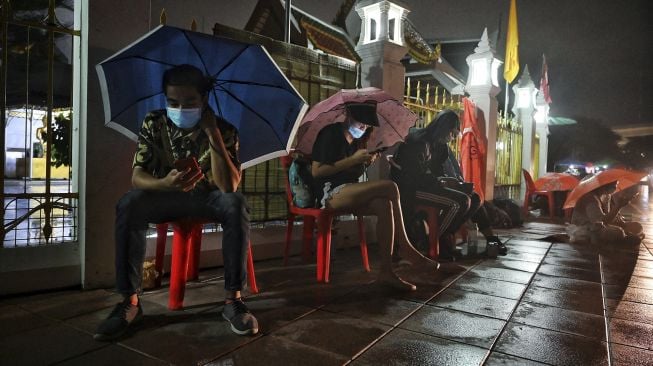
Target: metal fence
(507,176)
(39,197)
(427,101)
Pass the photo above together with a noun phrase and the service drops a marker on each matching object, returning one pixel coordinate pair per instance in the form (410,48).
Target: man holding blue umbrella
(186,165)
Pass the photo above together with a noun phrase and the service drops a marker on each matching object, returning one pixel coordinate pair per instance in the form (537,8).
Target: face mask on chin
(184,118)
(356,132)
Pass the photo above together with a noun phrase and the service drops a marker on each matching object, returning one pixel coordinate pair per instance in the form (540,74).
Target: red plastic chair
(531,192)
(324,219)
(186,245)
(432,214)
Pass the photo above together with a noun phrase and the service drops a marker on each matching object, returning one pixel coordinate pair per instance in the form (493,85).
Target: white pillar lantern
(381,21)
(381,48)
(542,128)
(483,87)
(524,108)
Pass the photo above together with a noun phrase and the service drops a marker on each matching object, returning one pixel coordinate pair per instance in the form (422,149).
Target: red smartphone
(184,164)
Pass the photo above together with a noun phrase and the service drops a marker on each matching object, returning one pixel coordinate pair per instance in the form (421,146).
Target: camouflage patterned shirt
(157,150)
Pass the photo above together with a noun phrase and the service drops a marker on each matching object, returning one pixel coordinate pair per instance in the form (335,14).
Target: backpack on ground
(299,175)
(511,208)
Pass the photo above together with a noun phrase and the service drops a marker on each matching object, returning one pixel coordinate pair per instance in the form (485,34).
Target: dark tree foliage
(61,135)
(639,152)
(587,141)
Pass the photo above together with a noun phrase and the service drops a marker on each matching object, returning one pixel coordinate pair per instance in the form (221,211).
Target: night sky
(599,52)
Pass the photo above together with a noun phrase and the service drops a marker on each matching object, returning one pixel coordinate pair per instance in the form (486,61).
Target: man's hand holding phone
(186,174)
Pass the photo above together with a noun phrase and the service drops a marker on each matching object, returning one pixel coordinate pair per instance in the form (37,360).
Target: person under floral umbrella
(339,157)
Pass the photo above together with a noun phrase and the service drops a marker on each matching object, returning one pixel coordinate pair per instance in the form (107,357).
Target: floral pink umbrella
(394,119)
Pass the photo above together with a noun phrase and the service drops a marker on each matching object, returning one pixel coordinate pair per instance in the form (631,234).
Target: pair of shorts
(329,192)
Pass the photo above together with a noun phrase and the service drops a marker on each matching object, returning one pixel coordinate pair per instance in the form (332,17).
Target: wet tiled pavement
(544,303)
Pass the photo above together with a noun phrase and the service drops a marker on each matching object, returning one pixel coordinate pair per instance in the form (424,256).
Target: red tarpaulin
(472,149)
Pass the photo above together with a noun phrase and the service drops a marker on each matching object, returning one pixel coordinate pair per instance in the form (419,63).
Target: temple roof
(267,19)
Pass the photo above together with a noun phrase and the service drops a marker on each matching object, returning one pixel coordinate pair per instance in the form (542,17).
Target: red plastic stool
(186,245)
(434,229)
(323,218)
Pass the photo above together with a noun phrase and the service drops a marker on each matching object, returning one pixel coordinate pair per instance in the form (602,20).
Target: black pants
(139,207)
(457,207)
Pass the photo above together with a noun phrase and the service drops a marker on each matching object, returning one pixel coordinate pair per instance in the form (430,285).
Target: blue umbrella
(250,91)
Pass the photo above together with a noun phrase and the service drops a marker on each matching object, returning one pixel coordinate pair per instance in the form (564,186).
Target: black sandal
(503,250)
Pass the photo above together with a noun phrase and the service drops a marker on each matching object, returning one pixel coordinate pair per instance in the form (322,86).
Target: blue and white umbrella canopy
(250,91)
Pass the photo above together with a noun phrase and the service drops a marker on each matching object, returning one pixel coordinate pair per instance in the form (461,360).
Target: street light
(483,66)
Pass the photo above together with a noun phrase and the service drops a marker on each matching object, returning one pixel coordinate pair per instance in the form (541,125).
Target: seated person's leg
(609,234)
(231,211)
(482,219)
(135,210)
(374,198)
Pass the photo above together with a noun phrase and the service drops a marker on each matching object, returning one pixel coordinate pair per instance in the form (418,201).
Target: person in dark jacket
(427,173)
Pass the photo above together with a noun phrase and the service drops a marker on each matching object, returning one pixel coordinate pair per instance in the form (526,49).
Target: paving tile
(112,355)
(628,310)
(15,320)
(455,325)
(333,333)
(272,351)
(502,274)
(570,272)
(502,262)
(196,295)
(528,249)
(622,292)
(197,339)
(573,262)
(551,347)
(45,345)
(640,282)
(402,347)
(489,286)
(573,247)
(587,303)
(624,278)
(630,356)
(562,320)
(502,359)
(580,253)
(273,313)
(528,243)
(569,284)
(58,305)
(472,302)
(154,315)
(520,255)
(373,304)
(631,333)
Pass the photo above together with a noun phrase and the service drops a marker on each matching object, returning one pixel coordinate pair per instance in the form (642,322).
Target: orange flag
(472,149)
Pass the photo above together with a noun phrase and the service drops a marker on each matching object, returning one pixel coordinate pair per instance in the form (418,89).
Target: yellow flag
(511,66)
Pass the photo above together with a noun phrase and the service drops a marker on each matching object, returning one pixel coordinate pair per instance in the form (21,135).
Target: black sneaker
(122,316)
(503,250)
(241,319)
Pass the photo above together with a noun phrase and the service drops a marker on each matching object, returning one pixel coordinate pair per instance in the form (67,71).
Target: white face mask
(184,118)
(356,132)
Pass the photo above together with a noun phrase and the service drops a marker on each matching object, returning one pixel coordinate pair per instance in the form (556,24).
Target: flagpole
(505,108)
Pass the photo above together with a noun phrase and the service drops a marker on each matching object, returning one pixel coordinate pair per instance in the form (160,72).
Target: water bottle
(472,240)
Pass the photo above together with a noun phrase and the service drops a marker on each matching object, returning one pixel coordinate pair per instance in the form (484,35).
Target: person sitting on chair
(428,173)
(339,158)
(186,129)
